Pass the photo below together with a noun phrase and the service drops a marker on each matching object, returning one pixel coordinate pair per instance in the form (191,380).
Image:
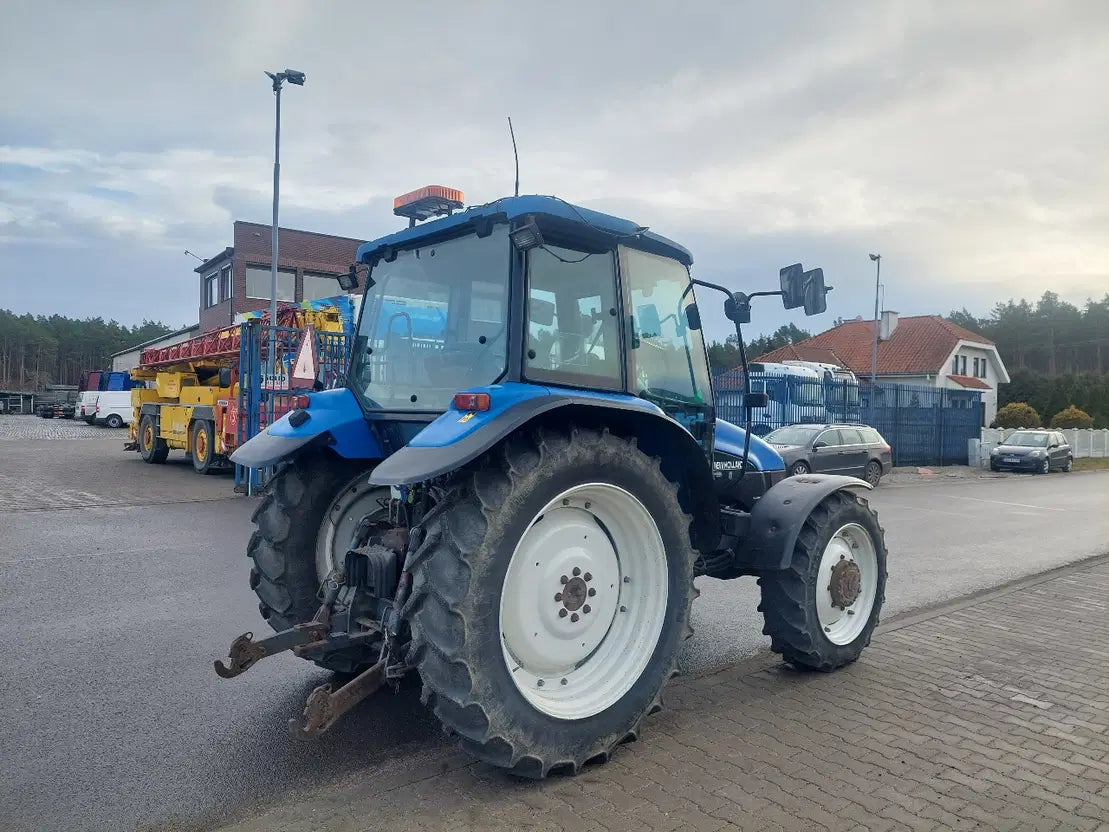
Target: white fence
(1084,443)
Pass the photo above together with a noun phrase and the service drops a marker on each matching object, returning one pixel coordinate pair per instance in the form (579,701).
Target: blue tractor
(511,497)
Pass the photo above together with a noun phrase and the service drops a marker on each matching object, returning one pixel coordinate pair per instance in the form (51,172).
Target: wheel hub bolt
(564,580)
(539,683)
(577,572)
(558,596)
(586,609)
(562,613)
(574,618)
(591,592)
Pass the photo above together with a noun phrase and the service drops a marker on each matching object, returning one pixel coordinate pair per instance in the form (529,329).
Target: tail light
(471,401)
(98,408)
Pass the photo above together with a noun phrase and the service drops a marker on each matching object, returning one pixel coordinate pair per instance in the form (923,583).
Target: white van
(85,406)
(113,408)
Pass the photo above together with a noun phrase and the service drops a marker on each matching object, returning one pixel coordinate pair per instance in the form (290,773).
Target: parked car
(854,450)
(113,408)
(1038,451)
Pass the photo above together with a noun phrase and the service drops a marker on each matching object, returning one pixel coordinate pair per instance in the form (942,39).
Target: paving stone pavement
(990,713)
(35,427)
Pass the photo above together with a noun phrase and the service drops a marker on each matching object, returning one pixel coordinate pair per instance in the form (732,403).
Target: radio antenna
(515,155)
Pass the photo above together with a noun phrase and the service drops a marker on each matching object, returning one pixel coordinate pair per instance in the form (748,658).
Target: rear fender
(777,518)
(334,416)
(458,437)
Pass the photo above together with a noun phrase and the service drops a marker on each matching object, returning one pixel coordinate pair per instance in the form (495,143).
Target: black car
(1038,451)
(854,450)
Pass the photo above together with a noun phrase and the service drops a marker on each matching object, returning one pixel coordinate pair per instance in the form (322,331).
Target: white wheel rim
(576,664)
(851,544)
(357,500)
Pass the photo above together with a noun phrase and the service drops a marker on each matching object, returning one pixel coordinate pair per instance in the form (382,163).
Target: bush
(1017,415)
(1072,417)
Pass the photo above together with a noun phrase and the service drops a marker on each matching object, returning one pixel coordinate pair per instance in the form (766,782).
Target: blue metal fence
(264,395)
(923,425)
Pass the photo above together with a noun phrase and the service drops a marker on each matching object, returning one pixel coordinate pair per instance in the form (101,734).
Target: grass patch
(1091,464)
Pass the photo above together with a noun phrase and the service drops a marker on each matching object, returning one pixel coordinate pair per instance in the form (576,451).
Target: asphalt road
(121,582)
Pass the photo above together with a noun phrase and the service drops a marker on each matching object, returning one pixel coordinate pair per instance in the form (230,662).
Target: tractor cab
(527,290)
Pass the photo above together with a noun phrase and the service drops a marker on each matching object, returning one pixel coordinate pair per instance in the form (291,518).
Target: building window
(211,290)
(258,283)
(976,368)
(983,368)
(955,365)
(318,286)
(225,283)
(962,365)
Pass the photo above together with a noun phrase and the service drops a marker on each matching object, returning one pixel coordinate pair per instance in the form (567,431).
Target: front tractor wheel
(822,609)
(550,598)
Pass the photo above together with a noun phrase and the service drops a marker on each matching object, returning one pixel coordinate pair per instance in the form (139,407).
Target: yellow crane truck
(190,397)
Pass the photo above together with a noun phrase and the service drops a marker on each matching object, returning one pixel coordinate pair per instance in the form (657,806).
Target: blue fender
(457,437)
(777,518)
(332,412)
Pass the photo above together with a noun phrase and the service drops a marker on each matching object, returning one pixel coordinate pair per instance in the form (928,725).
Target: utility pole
(293,77)
(877,258)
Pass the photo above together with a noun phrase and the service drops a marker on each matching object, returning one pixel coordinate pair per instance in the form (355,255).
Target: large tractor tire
(820,612)
(310,509)
(152,448)
(550,596)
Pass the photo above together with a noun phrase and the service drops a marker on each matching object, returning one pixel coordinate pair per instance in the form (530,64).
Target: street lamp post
(293,77)
(877,258)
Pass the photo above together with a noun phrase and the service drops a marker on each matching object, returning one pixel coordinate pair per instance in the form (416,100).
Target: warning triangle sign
(304,370)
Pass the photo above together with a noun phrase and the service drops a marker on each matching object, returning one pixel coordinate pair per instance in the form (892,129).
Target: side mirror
(751,401)
(541,312)
(693,316)
(814,292)
(348,282)
(792,280)
(650,326)
(820,443)
(737,308)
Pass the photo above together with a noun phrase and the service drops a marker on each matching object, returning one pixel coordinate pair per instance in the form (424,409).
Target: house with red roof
(921,349)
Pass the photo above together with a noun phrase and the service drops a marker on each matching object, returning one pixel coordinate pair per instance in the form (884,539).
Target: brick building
(237,279)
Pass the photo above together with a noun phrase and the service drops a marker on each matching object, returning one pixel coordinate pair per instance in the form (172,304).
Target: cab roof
(512,207)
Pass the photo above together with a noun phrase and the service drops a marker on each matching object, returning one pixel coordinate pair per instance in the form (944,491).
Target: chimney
(887,326)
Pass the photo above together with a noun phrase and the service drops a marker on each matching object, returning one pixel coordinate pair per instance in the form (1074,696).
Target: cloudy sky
(966,142)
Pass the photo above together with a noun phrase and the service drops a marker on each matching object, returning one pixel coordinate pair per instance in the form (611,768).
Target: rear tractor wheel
(549,599)
(310,511)
(822,609)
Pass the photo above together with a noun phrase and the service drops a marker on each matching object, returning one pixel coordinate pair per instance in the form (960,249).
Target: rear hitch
(325,705)
(245,652)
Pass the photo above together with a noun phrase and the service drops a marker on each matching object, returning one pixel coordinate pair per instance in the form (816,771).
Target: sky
(968,143)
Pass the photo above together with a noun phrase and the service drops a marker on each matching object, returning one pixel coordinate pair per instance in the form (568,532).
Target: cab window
(573,333)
